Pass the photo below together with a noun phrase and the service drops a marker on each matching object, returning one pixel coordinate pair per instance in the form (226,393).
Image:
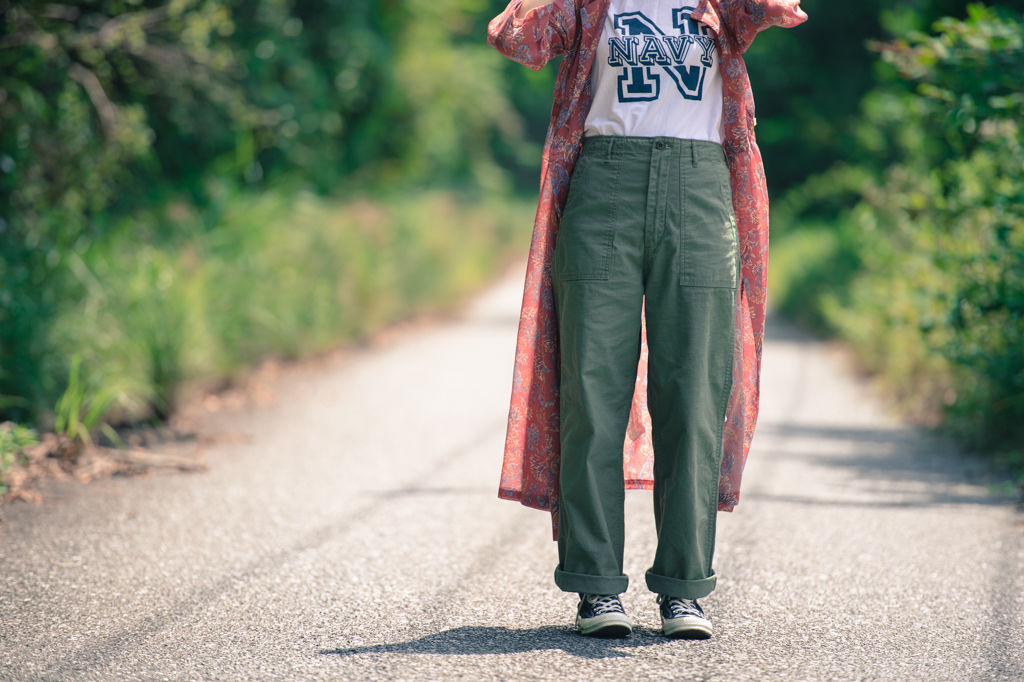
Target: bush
(13,437)
(923,272)
(285,274)
(122,123)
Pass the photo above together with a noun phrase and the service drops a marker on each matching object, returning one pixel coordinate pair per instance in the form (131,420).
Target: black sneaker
(683,618)
(602,615)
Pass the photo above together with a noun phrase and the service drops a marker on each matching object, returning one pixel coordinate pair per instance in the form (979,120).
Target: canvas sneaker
(683,618)
(602,615)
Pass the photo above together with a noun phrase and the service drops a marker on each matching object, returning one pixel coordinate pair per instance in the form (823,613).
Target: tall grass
(13,437)
(178,294)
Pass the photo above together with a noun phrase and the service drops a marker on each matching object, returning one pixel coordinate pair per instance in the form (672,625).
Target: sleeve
(741,20)
(544,33)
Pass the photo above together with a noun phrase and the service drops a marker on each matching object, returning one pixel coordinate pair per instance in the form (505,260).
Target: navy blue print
(642,50)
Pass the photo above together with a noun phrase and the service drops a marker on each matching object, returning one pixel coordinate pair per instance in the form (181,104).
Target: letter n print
(638,82)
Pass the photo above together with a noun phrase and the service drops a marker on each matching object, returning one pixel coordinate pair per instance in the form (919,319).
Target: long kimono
(573,28)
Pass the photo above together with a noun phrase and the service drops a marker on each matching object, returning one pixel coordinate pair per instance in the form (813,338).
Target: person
(644,294)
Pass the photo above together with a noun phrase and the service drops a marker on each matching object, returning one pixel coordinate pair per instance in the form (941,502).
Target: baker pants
(647,219)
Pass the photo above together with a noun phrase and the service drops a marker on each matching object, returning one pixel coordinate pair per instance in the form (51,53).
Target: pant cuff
(683,589)
(590,584)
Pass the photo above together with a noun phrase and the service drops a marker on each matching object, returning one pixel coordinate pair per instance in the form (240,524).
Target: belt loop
(611,147)
(693,153)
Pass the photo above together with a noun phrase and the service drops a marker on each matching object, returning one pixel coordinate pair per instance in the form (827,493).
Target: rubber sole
(610,625)
(692,629)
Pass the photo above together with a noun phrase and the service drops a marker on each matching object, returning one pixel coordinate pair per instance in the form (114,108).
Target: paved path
(354,533)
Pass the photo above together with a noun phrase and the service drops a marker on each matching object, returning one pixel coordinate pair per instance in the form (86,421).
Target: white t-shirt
(655,74)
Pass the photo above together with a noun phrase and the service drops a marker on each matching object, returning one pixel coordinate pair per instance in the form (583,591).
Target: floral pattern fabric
(572,28)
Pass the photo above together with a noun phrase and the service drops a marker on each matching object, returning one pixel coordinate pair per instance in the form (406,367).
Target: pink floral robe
(573,27)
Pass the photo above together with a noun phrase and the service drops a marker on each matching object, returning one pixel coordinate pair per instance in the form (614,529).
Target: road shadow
(904,466)
(475,640)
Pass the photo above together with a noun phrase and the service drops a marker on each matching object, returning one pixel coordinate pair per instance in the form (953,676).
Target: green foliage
(286,273)
(922,270)
(809,81)
(82,407)
(13,437)
(115,111)
(110,95)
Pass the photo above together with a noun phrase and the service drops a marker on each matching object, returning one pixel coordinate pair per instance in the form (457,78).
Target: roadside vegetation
(283,273)
(188,186)
(912,250)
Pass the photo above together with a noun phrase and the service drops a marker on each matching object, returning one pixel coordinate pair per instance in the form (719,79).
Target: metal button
(659,145)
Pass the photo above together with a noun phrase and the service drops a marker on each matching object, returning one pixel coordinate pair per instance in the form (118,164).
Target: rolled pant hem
(590,584)
(683,589)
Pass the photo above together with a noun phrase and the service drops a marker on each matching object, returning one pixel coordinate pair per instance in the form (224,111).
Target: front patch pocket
(586,233)
(709,245)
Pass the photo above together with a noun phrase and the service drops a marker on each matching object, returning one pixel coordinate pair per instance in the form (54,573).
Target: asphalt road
(349,529)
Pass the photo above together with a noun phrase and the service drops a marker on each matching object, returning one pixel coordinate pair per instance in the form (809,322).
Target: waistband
(616,146)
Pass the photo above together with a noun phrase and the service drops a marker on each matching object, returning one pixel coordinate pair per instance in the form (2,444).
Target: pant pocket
(586,233)
(709,243)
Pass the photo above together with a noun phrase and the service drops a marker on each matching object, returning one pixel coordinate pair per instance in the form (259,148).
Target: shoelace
(683,607)
(604,604)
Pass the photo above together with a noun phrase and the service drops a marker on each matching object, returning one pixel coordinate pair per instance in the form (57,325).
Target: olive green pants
(647,219)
